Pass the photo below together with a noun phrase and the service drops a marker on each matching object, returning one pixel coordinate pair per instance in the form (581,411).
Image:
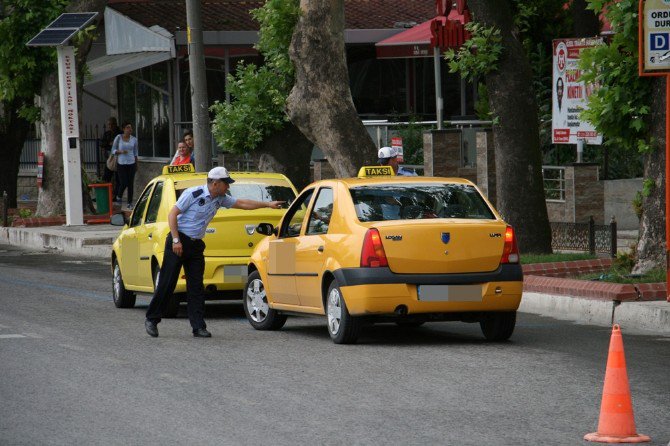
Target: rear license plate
(450,293)
(235,273)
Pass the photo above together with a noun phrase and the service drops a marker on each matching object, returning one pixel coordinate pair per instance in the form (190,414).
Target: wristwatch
(175,240)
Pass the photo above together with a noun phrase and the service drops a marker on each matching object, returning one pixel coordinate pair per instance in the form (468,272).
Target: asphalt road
(76,370)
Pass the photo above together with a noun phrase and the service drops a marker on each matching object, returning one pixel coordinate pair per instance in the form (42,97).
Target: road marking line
(11,336)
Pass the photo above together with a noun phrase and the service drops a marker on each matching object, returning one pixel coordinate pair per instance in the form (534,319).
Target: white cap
(220,173)
(387,152)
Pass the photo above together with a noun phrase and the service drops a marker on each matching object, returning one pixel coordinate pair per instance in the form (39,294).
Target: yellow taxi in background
(383,248)
(137,253)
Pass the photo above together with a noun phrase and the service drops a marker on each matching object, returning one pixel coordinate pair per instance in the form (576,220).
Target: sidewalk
(650,318)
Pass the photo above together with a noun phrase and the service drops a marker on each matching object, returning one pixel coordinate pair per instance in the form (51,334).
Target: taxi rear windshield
(265,190)
(419,201)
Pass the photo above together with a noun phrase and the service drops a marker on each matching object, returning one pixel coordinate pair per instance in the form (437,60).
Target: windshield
(419,201)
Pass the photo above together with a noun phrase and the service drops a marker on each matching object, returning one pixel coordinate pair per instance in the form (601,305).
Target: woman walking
(125,147)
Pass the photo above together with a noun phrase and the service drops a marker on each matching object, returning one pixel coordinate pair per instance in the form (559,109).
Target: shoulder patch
(197,193)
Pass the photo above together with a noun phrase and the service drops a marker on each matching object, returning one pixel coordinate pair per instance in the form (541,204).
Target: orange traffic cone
(617,422)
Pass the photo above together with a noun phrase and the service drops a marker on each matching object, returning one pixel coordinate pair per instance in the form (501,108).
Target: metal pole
(580,150)
(69,116)
(199,103)
(667,185)
(438,86)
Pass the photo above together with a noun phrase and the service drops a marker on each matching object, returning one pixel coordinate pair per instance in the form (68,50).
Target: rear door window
(154,203)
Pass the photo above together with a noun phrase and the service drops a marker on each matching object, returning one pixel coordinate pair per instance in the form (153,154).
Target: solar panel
(52,37)
(61,30)
(72,20)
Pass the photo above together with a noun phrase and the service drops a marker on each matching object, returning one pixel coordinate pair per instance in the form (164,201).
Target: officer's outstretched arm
(249,205)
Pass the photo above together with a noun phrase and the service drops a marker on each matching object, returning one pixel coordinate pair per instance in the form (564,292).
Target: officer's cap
(220,173)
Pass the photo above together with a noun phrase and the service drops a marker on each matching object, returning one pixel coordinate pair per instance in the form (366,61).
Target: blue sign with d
(659,41)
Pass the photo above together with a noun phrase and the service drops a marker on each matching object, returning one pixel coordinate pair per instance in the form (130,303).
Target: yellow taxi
(385,248)
(137,253)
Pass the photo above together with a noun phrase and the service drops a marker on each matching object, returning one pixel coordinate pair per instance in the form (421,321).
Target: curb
(643,316)
(53,239)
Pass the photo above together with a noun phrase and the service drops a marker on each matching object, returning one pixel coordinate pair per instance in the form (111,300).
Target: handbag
(111,162)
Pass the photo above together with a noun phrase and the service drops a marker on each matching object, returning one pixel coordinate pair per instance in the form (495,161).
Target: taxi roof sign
(375,171)
(182,168)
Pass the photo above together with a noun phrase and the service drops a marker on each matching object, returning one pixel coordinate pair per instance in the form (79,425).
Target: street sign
(570,94)
(654,38)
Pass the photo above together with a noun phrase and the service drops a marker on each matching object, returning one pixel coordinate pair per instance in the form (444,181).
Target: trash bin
(102,197)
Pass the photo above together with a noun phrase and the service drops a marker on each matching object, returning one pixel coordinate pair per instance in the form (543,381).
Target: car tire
(256,306)
(498,327)
(343,328)
(172,307)
(122,297)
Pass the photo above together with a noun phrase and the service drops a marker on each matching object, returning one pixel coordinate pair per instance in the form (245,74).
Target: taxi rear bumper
(377,291)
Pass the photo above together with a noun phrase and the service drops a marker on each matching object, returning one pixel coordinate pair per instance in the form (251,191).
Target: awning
(129,47)
(107,67)
(415,42)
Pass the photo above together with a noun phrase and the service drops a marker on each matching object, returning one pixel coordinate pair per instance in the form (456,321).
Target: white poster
(570,94)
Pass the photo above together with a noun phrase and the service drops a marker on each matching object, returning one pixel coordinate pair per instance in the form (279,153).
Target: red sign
(561,135)
(450,35)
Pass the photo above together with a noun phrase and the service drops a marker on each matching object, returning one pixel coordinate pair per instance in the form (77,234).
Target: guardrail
(554,183)
(90,155)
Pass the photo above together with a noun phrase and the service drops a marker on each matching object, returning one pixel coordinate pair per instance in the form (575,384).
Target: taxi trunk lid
(443,245)
(232,232)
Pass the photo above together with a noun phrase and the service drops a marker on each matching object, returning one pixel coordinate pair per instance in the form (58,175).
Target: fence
(585,237)
(91,158)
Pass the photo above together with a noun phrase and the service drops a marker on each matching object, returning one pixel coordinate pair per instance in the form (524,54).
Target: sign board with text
(654,38)
(570,94)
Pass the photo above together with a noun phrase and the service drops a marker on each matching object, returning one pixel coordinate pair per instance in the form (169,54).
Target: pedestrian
(187,138)
(111,131)
(188,220)
(183,155)
(125,147)
(388,156)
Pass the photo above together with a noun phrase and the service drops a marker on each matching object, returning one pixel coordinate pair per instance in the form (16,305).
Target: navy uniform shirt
(198,208)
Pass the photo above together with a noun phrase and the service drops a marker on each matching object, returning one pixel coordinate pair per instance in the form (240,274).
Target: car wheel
(342,327)
(172,307)
(256,307)
(498,326)
(122,297)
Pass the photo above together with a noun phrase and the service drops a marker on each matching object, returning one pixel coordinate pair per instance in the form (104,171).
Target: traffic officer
(188,220)
(388,156)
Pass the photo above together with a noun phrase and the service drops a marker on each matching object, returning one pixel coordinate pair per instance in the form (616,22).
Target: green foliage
(412,140)
(259,94)
(22,67)
(25,212)
(527,259)
(619,107)
(479,55)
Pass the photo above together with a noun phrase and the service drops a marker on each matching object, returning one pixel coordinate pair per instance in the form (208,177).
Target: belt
(182,235)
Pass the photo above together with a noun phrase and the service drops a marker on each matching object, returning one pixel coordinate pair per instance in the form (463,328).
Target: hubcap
(334,311)
(256,301)
(117,282)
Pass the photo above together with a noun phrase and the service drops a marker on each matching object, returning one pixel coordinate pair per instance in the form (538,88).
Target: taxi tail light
(510,250)
(372,254)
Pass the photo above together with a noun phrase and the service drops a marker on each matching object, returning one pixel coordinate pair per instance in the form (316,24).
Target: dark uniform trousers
(193,260)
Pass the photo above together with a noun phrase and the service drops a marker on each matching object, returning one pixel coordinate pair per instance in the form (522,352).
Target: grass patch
(527,259)
(623,275)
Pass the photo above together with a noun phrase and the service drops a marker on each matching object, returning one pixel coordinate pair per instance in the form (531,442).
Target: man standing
(388,156)
(188,220)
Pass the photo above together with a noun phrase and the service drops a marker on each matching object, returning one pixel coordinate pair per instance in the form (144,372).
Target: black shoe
(152,329)
(202,333)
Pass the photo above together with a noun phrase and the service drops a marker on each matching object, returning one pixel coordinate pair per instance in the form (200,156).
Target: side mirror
(119,219)
(265,229)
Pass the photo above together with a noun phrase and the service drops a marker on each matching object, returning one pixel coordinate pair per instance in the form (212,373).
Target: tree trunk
(516,134)
(51,198)
(320,103)
(585,21)
(272,155)
(651,246)
(13,133)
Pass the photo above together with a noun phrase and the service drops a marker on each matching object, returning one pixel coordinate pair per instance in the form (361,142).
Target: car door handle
(320,249)
(149,237)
